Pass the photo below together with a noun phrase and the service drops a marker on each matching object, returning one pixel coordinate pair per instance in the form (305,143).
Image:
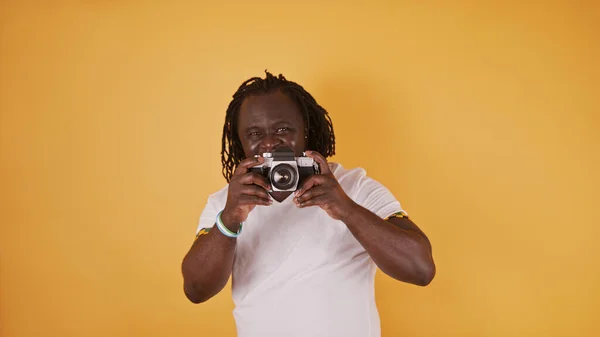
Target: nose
(269,143)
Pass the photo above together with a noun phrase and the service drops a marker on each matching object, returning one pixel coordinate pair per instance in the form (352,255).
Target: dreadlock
(318,125)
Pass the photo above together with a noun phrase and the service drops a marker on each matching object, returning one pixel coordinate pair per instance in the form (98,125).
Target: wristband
(400,214)
(226,230)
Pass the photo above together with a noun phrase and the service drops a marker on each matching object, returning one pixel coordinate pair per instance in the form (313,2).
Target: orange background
(482,117)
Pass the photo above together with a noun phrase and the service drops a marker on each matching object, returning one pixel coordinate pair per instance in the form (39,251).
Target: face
(268,121)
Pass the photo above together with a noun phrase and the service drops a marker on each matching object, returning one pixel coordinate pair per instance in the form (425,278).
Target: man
(302,264)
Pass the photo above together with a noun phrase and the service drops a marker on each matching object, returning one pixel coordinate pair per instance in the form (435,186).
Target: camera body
(284,171)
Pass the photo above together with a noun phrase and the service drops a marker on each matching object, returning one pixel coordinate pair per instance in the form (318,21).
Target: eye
(254,134)
(283,129)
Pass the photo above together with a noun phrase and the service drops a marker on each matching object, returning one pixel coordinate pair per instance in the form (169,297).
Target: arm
(397,246)
(207,265)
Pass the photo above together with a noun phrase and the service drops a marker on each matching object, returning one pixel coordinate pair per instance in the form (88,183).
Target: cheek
(298,143)
(250,148)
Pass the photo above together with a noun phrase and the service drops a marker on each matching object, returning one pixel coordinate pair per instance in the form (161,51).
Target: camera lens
(283,177)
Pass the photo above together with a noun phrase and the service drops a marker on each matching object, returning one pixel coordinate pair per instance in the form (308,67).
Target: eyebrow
(277,123)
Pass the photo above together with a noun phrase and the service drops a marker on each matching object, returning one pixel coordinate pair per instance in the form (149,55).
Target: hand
(323,190)
(246,190)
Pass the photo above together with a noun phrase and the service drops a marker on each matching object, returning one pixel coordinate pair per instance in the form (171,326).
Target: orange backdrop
(482,117)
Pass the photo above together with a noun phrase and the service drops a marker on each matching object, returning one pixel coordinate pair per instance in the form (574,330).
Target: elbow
(425,275)
(424,270)
(424,266)
(420,274)
(420,271)
(194,295)
(192,286)
(195,299)
(201,288)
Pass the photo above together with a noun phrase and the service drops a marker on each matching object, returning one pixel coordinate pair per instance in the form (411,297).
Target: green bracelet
(226,230)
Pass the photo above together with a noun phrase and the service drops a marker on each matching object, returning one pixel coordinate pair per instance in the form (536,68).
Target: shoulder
(214,204)
(219,197)
(365,190)
(353,179)
(348,176)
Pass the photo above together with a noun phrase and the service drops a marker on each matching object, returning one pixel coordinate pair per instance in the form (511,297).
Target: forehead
(269,107)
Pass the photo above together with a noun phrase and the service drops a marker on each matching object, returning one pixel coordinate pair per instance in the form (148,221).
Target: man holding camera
(301,237)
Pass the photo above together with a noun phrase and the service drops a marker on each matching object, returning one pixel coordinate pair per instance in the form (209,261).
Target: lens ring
(283,176)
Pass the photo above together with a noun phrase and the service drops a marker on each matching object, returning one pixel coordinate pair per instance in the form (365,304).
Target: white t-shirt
(298,272)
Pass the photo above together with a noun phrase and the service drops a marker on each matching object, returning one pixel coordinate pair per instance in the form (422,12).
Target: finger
(311,193)
(256,179)
(246,199)
(256,191)
(246,164)
(316,156)
(321,201)
(310,182)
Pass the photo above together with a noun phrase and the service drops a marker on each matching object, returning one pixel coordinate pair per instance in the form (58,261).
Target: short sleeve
(207,217)
(213,206)
(372,195)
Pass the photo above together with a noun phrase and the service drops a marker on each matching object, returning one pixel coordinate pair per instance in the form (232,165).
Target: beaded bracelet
(226,230)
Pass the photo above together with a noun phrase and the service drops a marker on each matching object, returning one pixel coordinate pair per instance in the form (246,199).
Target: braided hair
(318,125)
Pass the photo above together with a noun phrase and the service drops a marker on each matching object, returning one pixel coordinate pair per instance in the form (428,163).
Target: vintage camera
(284,171)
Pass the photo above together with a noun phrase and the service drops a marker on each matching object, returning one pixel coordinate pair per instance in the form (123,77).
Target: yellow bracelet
(203,231)
(401,214)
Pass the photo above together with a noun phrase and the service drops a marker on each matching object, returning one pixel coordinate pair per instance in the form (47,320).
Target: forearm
(401,253)
(207,266)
